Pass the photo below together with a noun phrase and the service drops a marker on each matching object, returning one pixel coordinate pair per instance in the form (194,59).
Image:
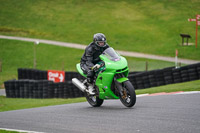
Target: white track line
(165,93)
(142,95)
(187,92)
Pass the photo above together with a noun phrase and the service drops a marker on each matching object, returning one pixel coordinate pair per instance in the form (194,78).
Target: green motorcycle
(111,80)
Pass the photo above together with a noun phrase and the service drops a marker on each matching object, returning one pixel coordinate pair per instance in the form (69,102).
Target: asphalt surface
(151,114)
(80,46)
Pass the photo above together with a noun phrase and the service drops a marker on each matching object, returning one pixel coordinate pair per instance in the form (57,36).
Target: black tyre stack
(193,74)
(17,89)
(35,89)
(24,73)
(159,77)
(51,89)
(146,81)
(176,75)
(66,90)
(60,90)
(70,75)
(184,74)
(139,81)
(21,88)
(56,88)
(170,75)
(10,91)
(33,83)
(152,78)
(132,79)
(26,89)
(30,87)
(198,71)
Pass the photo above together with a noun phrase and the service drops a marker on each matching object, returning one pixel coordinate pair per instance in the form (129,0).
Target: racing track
(151,114)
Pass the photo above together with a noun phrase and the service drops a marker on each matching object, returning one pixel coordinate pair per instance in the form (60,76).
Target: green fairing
(121,80)
(78,67)
(104,79)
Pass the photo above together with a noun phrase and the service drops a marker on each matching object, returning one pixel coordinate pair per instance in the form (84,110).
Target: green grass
(186,86)
(148,26)
(7,104)
(19,54)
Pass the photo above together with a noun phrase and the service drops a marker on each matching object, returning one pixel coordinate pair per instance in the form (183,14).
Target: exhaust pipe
(78,84)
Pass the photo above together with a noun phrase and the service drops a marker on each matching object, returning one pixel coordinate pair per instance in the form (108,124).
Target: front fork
(119,86)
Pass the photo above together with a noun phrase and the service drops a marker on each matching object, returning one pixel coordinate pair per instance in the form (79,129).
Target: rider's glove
(96,67)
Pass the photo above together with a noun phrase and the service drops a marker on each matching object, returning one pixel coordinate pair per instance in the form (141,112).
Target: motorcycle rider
(90,58)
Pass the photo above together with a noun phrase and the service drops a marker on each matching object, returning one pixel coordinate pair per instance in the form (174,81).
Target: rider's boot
(90,86)
(91,89)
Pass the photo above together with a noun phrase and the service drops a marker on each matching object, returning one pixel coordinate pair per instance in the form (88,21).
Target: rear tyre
(94,100)
(128,98)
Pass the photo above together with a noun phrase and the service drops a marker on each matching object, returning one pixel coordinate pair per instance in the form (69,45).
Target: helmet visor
(101,43)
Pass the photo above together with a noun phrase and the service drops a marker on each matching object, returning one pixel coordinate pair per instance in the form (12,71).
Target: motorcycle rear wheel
(94,101)
(129,97)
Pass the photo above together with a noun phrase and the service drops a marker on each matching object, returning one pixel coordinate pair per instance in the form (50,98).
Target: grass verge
(7,104)
(186,86)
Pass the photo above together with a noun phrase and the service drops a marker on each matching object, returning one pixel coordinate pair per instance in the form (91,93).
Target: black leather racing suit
(90,58)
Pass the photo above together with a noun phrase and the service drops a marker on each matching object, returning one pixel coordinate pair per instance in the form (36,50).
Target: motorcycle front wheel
(94,101)
(129,97)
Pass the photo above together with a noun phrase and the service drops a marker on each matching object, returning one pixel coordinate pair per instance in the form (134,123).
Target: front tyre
(129,97)
(94,101)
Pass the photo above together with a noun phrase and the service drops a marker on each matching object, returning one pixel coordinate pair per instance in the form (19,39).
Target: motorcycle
(110,80)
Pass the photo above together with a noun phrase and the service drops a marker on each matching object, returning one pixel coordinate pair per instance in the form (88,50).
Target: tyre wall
(165,76)
(25,88)
(33,83)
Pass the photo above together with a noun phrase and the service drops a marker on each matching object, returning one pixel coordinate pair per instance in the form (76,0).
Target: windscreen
(111,54)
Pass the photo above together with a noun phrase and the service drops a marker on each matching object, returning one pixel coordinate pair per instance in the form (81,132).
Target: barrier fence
(33,83)
(165,76)
(24,88)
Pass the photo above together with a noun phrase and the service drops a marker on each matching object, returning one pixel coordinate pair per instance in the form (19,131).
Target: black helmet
(99,39)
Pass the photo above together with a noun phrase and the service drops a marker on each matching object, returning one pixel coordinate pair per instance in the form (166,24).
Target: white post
(176,59)
(34,54)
